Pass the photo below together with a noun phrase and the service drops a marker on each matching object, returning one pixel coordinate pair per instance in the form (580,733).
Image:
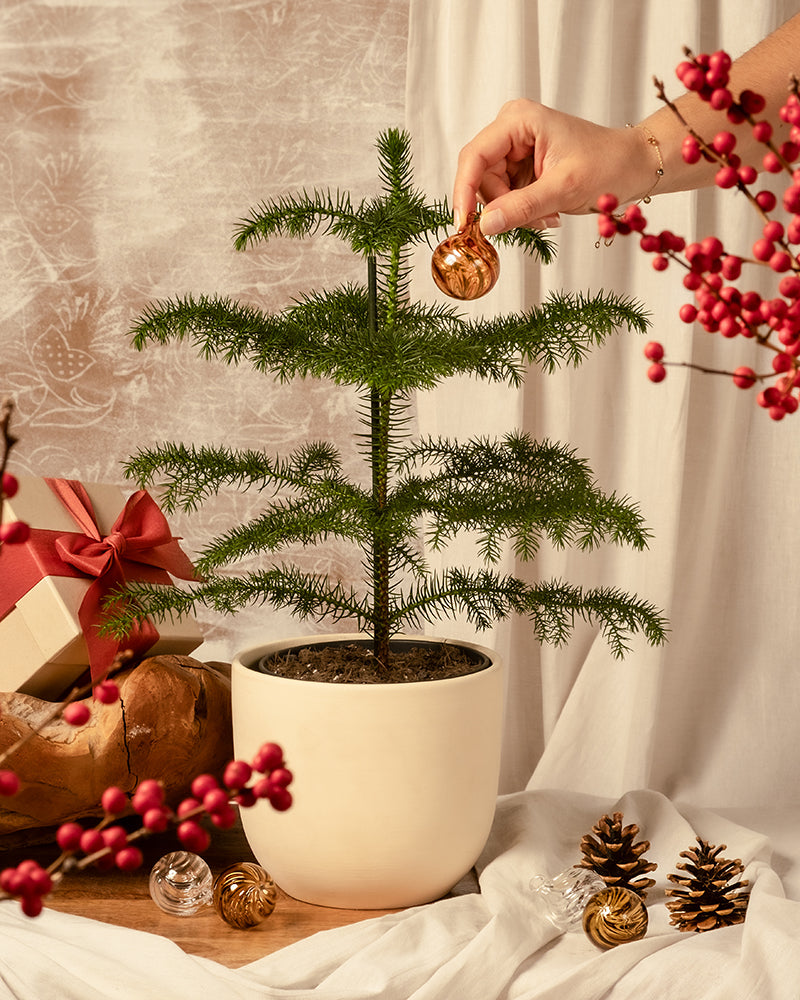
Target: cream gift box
(85,542)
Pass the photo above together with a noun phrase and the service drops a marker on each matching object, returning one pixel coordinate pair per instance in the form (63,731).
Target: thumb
(535,206)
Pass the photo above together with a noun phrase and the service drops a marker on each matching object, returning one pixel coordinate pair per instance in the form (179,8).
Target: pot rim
(243,660)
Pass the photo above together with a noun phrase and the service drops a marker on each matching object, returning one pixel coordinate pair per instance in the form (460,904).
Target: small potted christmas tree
(510,492)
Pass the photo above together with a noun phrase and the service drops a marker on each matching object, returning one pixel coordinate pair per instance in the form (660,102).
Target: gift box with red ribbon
(85,542)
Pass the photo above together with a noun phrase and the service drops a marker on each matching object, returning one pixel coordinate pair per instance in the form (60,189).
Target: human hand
(533,163)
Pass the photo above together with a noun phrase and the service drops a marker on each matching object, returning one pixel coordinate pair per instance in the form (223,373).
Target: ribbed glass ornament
(564,896)
(466,265)
(615,916)
(244,894)
(181,883)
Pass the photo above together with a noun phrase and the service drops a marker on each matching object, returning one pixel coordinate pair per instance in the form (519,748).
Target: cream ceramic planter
(394,784)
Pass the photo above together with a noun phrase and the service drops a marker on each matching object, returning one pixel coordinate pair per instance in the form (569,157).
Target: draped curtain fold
(712,716)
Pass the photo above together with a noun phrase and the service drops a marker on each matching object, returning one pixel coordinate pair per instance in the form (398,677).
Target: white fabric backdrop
(711,717)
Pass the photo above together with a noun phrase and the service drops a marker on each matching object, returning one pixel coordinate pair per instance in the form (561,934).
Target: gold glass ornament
(466,265)
(244,894)
(614,916)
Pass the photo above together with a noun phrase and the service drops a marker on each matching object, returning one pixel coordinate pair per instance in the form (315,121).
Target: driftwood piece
(173,721)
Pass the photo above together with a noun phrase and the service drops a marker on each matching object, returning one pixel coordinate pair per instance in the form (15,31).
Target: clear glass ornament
(466,265)
(564,896)
(244,894)
(181,883)
(615,916)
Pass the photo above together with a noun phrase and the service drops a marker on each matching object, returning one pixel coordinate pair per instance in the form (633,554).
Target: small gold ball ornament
(244,895)
(466,265)
(614,916)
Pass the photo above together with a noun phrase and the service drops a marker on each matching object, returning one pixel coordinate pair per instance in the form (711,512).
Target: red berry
(607,203)
(692,282)
(789,151)
(735,115)
(214,799)
(193,836)
(791,198)
(762,131)
(729,327)
(106,692)
(237,773)
(268,757)
(14,532)
(32,906)
(731,267)
(769,397)
(224,819)
(129,859)
(763,249)
(203,784)
(693,78)
(772,163)
(156,819)
(114,801)
(114,837)
(790,403)
(780,262)
(660,263)
(773,230)
(752,103)
(690,150)
(9,783)
(766,200)
(148,795)
(245,797)
(281,777)
(747,174)
(790,286)
(187,806)
(656,373)
(280,799)
(721,99)
(10,485)
(606,227)
(744,377)
(76,713)
(69,836)
(723,143)
(91,841)
(726,177)
(777,412)
(720,61)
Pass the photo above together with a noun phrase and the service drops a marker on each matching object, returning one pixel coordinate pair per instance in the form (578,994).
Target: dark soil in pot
(353,662)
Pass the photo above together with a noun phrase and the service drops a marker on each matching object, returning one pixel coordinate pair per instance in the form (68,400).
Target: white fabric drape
(711,717)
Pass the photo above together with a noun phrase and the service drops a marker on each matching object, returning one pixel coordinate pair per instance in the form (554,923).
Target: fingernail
(493,222)
(459,218)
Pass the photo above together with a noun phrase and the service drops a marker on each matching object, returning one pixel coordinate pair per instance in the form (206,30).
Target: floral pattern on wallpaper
(132,137)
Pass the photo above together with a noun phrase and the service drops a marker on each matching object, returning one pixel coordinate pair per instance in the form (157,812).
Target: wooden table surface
(124,899)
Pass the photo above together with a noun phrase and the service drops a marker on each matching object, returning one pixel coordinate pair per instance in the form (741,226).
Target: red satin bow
(139,545)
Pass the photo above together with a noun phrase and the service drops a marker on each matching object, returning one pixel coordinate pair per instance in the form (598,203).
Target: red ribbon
(139,546)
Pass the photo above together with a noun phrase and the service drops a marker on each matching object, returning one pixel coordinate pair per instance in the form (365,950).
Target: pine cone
(615,857)
(707,898)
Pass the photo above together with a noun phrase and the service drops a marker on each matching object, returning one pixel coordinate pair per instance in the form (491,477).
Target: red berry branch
(712,272)
(15,531)
(109,844)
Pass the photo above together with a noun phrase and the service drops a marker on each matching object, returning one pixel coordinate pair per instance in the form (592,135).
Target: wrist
(654,160)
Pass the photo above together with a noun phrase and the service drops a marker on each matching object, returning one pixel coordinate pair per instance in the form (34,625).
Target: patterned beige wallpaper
(132,137)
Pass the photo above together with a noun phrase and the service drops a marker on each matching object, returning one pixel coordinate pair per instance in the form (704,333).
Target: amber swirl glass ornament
(466,265)
(244,895)
(614,916)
